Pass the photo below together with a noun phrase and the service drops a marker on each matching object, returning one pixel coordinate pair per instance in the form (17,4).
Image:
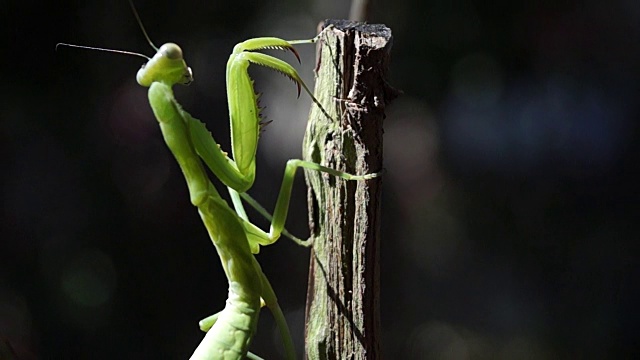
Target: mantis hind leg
(207,323)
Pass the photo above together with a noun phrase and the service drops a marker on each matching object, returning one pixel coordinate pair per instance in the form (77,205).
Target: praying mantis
(236,239)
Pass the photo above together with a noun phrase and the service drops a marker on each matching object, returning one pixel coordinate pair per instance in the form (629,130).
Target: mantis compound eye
(188,77)
(171,51)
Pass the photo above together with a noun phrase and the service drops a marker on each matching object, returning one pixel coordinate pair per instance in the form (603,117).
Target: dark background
(510,199)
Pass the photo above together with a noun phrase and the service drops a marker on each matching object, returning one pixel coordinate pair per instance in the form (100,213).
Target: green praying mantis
(236,239)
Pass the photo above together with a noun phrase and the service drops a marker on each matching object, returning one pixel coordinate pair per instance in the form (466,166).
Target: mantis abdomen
(230,336)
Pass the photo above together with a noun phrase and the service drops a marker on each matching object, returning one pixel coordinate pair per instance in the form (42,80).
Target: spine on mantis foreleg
(230,336)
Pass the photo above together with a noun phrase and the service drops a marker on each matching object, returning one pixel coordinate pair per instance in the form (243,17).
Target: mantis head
(167,66)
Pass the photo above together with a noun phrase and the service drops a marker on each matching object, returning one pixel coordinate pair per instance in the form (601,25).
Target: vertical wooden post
(343,317)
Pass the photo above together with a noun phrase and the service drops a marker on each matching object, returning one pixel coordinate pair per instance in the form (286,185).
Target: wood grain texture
(343,319)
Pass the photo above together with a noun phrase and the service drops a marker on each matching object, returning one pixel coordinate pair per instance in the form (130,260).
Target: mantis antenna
(103,49)
(144,32)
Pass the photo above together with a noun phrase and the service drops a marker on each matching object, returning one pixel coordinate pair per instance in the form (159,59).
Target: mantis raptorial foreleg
(236,239)
(239,173)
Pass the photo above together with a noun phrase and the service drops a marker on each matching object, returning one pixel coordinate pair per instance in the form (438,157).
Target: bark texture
(342,312)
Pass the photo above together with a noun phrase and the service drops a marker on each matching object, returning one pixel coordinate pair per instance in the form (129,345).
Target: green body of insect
(235,238)
(231,334)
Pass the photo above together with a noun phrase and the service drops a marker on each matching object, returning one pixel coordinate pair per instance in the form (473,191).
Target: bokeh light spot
(437,340)
(477,80)
(89,278)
